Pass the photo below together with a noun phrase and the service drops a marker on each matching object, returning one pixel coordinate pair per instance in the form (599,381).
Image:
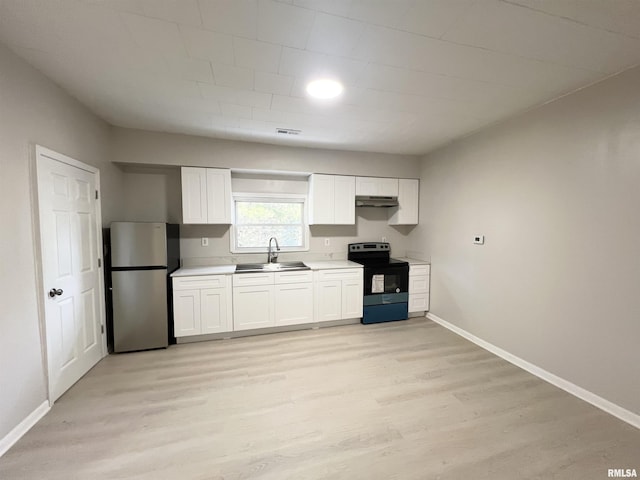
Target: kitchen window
(258,217)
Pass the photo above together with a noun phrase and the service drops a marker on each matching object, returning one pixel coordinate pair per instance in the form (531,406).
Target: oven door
(380,280)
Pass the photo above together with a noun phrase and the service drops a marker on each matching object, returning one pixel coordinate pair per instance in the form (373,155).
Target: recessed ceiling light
(324,88)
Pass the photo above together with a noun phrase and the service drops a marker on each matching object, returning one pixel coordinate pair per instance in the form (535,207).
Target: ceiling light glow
(324,88)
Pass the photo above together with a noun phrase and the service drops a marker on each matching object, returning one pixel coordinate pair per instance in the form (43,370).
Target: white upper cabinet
(218,195)
(194,195)
(377,187)
(332,200)
(206,195)
(406,213)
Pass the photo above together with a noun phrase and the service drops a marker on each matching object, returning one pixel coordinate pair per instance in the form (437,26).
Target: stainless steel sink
(270,267)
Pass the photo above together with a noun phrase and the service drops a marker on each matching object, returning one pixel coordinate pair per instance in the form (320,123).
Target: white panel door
(352,292)
(218,195)
(253,307)
(70,236)
(328,300)
(322,200)
(367,186)
(293,304)
(406,213)
(186,312)
(194,195)
(214,307)
(345,200)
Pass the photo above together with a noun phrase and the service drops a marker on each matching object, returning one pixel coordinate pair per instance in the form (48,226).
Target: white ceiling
(417,73)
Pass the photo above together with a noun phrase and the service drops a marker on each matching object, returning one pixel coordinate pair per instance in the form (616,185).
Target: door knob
(55,291)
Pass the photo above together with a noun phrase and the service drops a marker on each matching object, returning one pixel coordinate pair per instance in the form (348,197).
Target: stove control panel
(369,247)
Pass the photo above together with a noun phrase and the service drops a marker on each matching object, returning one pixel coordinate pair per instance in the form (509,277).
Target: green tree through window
(257,221)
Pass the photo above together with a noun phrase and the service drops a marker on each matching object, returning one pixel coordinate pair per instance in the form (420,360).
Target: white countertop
(229,269)
(414,261)
(331,264)
(204,270)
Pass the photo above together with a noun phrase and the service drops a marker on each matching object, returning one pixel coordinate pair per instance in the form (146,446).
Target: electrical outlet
(384,239)
(205,242)
(478,239)
(327,242)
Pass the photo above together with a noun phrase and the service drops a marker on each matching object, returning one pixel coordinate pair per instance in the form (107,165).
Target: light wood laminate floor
(403,400)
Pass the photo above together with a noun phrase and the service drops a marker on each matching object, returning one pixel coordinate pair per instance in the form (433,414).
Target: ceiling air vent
(288,131)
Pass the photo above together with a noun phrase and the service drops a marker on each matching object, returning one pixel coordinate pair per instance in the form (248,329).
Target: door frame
(47,153)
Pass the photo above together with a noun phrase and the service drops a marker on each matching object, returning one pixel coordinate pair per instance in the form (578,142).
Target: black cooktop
(373,254)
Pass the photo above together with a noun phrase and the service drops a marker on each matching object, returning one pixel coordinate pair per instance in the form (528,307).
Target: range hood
(375,201)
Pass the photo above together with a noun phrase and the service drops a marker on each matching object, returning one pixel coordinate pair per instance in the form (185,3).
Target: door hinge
(102,329)
(99,263)
(97,195)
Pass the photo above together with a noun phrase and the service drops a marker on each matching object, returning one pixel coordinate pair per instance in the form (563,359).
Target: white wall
(157,148)
(556,192)
(33,110)
(146,195)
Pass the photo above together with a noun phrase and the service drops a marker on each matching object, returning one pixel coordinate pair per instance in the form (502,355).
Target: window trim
(269,197)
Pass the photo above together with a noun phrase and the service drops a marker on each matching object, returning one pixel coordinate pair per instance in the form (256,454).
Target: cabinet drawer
(301,276)
(419,284)
(339,274)
(419,270)
(200,281)
(419,302)
(247,279)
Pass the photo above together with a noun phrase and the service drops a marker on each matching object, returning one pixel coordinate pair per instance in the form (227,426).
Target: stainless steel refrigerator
(142,257)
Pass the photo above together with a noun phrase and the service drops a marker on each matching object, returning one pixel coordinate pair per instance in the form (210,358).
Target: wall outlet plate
(478,239)
(327,242)
(205,242)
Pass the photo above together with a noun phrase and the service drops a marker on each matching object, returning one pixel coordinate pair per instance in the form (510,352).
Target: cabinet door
(253,307)
(218,195)
(194,195)
(322,199)
(406,213)
(215,316)
(328,300)
(388,187)
(367,186)
(293,304)
(345,200)
(352,292)
(186,312)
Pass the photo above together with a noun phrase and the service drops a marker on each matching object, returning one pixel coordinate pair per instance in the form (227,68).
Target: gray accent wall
(556,192)
(33,110)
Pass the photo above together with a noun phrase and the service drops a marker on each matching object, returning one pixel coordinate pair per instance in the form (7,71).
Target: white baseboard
(589,397)
(23,427)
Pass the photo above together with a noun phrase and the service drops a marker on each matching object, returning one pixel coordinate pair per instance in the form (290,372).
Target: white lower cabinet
(263,300)
(329,300)
(293,304)
(419,276)
(253,307)
(338,294)
(208,304)
(202,305)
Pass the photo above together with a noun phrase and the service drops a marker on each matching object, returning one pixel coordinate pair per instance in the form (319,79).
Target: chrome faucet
(272,256)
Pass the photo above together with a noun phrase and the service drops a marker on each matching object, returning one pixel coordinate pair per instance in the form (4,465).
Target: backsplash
(371,226)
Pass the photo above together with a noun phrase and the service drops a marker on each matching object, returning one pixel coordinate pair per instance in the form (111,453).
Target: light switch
(478,239)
